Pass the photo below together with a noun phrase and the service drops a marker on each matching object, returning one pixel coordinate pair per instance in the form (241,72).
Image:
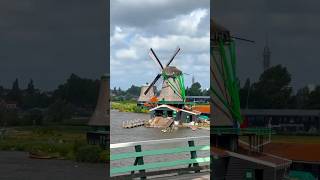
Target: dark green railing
(242,131)
(139,155)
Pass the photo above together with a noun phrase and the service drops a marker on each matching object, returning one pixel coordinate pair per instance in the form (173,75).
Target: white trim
(164,105)
(158,141)
(191,112)
(248,158)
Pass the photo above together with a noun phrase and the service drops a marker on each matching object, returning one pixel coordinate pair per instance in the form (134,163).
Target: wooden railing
(193,164)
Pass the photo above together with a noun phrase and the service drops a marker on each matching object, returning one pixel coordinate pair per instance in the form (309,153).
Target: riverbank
(52,142)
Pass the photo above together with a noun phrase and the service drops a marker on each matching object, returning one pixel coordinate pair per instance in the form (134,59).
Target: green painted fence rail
(193,162)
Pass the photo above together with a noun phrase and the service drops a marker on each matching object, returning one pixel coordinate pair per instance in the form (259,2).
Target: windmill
(225,109)
(173,89)
(144,98)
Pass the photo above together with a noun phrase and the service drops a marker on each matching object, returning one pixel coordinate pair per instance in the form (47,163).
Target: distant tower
(266,55)
(193,80)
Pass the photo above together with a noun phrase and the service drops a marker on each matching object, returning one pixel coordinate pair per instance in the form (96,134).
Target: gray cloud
(49,40)
(292,31)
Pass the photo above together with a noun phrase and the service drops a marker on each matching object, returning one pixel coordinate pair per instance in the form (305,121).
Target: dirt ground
(18,166)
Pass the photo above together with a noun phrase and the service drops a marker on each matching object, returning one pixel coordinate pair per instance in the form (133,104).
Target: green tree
(302,98)
(273,89)
(59,111)
(78,91)
(314,99)
(15,92)
(194,90)
(134,90)
(31,97)
(244,94)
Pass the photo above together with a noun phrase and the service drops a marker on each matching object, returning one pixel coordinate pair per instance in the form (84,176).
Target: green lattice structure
(226,86)
(177,84)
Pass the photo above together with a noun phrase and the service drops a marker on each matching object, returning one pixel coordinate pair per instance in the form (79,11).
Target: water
(121,135)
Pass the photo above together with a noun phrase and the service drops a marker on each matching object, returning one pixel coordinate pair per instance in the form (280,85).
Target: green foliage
(78,91)
(9,118)
(194,90)
(134,90)
(313,100)
(15,93)
(32,117)
(88,153)
(127,106)
(58,111)
(55,142)
(272,90)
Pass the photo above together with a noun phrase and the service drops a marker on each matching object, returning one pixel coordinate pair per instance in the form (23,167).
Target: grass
(50,141)
(128,106)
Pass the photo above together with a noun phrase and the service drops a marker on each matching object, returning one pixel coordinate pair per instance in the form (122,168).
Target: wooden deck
(133,123)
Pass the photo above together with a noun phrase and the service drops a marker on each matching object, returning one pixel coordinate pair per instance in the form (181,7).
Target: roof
(101,116)
(202,108)
(295,151)
(281,112)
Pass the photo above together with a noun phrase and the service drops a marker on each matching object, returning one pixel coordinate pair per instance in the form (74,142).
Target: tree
(31,97)
(78,91)
(302,98)
(15,92)
(244,94)
(272,90)
(30,89)
(314,99)
(134,91)
(194,90)
(60,110)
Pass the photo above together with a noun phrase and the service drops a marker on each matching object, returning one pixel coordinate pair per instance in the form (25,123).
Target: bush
(88,153)
(104,155)
(32,117)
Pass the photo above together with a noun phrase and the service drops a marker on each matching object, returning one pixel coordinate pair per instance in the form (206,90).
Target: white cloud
(130,42)
(126,54)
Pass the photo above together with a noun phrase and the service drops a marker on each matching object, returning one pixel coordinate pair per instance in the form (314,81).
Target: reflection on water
(121,135)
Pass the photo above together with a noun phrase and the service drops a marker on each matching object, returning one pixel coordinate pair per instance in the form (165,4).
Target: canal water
(121,135)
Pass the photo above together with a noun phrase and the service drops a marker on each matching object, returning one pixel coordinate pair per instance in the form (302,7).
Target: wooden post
(193,155)
(139,161)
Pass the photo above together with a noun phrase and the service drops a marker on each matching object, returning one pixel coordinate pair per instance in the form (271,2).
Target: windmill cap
(219,32)
(171,70)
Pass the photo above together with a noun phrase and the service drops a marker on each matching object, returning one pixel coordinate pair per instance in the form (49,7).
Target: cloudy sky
(293,30)
(138,25)
(48,40)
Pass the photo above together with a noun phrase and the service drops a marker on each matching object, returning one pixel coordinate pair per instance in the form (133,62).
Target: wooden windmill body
(101,115)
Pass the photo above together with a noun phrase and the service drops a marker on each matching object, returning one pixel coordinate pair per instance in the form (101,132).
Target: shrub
(88,153)
(104,155)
